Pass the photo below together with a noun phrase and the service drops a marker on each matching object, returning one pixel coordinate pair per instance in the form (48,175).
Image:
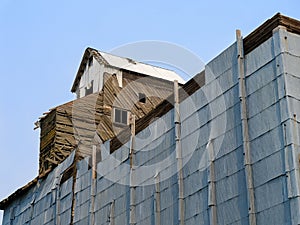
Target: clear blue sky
(42,42)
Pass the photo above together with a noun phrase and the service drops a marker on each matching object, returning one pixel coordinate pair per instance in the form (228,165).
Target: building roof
(265,31)
(124,64)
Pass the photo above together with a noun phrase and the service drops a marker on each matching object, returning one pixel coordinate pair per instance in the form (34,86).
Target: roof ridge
(136,61)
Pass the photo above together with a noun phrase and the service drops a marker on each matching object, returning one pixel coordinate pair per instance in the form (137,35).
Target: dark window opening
(124,117)
(91,61)
(117,116)
(89,90)
(120,116)
(142,98)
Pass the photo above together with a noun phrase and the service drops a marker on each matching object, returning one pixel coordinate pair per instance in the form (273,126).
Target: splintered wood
(87,121)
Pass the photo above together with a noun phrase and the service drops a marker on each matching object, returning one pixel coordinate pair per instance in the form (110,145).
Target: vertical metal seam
(74,175)
(132,219)
(57,200)
(245,131)
(177,122)
(112,213)
(93,184)
(157,199)
(285,162)
(212,204)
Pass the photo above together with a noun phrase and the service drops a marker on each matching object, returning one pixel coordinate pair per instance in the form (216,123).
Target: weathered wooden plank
(47,123)
(189,88)
(76,123)
(265,31)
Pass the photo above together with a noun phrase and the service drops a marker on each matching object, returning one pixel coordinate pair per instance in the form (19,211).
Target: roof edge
(101,59)
(5,202)
(265,31)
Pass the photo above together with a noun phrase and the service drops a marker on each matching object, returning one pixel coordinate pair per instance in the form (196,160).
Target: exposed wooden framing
(75,123)
(56,156)
(244,119)
(63,152)
(52,161)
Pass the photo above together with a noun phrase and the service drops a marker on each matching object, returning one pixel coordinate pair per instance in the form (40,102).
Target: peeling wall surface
(93,77)
(143,186)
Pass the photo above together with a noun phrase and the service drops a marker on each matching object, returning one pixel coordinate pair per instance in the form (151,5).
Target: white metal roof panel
(129,64)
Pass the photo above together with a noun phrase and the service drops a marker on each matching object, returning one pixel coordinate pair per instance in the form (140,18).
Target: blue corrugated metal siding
(273,99)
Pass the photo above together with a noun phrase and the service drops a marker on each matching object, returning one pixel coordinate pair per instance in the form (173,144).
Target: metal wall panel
(274,145)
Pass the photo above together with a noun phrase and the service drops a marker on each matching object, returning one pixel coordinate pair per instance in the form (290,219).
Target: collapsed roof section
(90,119)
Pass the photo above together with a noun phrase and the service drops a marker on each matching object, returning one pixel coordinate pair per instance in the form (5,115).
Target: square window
(120,116)
(117,116)
(124,117)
